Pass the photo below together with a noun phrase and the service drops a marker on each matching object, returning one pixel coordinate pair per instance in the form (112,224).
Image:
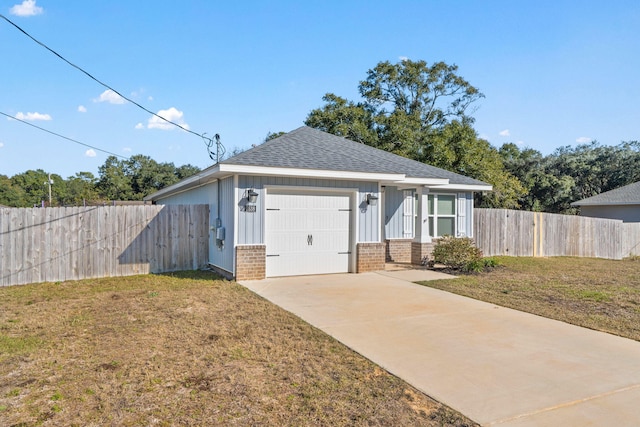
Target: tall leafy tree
(345,118)
(114,183)
(185,171)
(10,194)
(80,189)
(137,177)
(569,174)
(422,112)
(457,147)
(35,185)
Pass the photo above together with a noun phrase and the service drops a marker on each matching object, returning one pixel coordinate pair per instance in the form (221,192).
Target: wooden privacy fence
(537,234)
(57,244)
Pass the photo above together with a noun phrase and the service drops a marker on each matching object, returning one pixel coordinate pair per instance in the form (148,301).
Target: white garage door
(307,233)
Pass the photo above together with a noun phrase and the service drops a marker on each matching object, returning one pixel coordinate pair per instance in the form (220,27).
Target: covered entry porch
(413,217)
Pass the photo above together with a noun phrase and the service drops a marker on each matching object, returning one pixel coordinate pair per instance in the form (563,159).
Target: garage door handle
(309,240)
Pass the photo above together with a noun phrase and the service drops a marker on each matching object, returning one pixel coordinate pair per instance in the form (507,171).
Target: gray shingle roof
(627,195)
(308,148)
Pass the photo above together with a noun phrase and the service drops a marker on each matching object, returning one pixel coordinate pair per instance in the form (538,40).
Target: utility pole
(49,182)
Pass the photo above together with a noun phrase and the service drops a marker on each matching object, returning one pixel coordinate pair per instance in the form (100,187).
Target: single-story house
(621,203)
(309,202)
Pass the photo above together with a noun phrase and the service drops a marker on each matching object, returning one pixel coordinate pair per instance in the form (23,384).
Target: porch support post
(422,221)
(421,246)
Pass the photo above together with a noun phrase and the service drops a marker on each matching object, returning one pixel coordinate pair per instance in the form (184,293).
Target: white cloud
(32,116)
(26,8)
(150,98)
(82,108)
(126,149)
(584,140)
(520,143)
(111,97)
(172,114)
(90,152)
(139,126)
(1,144)
(403,58)
(504,132)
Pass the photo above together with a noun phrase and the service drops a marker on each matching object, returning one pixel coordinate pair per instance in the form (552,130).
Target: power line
(63,137)
(209,142)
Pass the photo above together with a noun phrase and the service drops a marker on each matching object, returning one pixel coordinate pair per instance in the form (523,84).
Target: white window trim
(434,215)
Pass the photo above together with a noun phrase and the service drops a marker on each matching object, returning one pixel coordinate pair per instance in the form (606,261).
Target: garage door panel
(307,233)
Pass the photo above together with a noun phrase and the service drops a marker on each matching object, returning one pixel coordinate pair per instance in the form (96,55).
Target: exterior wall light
(252,196)
(372,199)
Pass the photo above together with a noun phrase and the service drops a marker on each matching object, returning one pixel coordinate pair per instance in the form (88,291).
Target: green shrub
(490,262)
(457,253)
(475,266)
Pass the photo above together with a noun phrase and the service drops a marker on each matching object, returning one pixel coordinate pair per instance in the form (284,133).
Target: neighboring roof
(308,152)
(309,148)
(627,195)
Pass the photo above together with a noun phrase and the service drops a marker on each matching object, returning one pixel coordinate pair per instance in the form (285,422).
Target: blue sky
(554,73)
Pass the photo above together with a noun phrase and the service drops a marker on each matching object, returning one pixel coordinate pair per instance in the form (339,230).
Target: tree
(345,118)
(138,176)
(402,104)
(81,188)
(114,183)
(571,173)
(433,95)
(185,171)
(10,194)
(420,112)
(148,176)
(273,135)
(457,147)
(35,187)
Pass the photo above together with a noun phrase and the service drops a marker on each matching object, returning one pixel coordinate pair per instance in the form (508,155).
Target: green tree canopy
(34,184)
(10,194)
(138,176)
(569,174)
(422,112)
(80,189)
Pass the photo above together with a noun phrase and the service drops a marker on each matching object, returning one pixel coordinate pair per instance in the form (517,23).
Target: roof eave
(420,181)
(309,173)
(201,178)
(579,203)
(466,187)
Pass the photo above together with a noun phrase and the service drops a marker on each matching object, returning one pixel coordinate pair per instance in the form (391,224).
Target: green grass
(595,293)
(10,345)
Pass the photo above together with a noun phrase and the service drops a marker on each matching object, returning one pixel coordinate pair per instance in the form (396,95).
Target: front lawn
(594,293)
(185,349)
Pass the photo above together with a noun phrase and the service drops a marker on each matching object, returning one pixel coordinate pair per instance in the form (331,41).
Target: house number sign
(248,208)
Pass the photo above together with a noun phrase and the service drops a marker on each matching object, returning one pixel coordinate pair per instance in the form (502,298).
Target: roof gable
(308,148)
(627,195)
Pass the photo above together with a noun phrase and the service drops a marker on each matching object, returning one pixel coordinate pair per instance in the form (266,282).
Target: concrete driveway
(498,366)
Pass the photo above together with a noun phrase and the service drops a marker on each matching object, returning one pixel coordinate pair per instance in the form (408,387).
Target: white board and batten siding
(307,232)
(461,213)
(251,225)
(408,214)
(399,220)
